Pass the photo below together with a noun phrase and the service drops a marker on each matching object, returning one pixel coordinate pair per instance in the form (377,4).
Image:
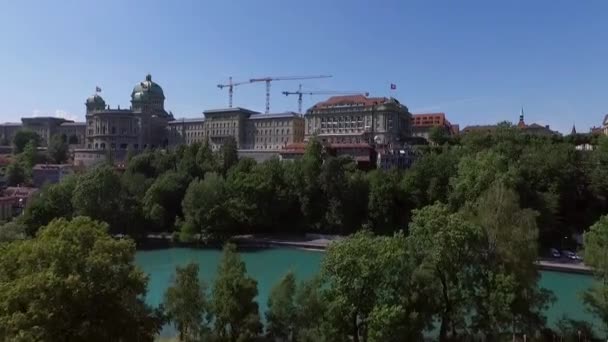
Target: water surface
(267,266)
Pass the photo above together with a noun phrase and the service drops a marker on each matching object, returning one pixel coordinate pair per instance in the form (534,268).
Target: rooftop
(51,166)
(184,120)
(275,116)
(230,110)
(351,100)
(74,124)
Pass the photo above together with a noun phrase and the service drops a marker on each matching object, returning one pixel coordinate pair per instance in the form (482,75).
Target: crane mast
(230,85)
(267,80)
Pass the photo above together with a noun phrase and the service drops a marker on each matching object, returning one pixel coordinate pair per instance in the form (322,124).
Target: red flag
(393,86)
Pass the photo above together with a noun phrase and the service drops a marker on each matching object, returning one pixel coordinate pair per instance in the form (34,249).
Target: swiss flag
(393,86)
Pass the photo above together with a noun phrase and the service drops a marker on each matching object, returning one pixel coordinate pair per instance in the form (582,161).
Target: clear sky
(478,61)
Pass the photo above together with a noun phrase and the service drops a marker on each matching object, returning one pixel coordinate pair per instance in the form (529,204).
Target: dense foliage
(73,282)
(206,195)
(450,243)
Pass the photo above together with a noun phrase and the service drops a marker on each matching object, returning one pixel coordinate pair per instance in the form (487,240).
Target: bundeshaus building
(115,131)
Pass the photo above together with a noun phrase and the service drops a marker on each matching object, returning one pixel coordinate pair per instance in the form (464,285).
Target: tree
(310,311)
(186,304)
(12,231)
(205,158)
(58,149)
(281,314)
(29,157)
(16,174)
(476,173)
(438,135)
(369,277)
(388,208)
(506,294)
(73,140)
(98,194)
(54,201)
(162,202)
(23,137)
(596,256)
(428,180)
(230,154)
(51,283)
(233,304)
(445,244)
(206,211)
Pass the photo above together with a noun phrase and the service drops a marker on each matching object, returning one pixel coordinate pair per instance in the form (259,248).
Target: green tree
(445,244)
(506,294)
(476,173)
(369,277)
(29,157)
(438,135)
(23,137)
(54,201)
(98,194)
(51,283)
(58,149)
(205,210)
(388,207)
(233,305)
(73,140)
(205,158)
(230,154)
(162,202)
(281,314)
(12,231)
(310,311)
(428,180)
(186,305)
(596,256)
(16,174)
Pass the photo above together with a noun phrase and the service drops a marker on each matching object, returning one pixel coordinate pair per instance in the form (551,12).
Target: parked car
(555,253)
(569,254)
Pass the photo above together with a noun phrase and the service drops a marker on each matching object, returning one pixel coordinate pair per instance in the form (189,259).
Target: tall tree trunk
(355,328)
(446,315)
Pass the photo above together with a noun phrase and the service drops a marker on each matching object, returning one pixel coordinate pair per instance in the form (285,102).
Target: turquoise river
(267,266)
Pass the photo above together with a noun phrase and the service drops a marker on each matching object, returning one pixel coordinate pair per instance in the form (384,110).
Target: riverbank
(320,242)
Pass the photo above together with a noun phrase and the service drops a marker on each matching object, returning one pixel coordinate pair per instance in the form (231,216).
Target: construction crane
(286,78)
(230,85)
(301,92)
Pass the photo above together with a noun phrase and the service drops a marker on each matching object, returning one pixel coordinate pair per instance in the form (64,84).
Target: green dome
(96,100)
(146,89)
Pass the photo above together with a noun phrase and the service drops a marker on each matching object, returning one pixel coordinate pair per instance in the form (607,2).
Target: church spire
(521,123)
(573,132)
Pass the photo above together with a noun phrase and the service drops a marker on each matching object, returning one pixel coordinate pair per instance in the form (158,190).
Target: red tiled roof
(351,100)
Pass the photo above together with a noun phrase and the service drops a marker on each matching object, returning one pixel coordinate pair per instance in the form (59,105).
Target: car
(555,253)
(569,254)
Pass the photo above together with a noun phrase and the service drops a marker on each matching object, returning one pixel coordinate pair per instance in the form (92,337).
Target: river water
(267,266)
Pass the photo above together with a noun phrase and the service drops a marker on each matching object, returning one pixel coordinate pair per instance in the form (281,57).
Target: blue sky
(478,61)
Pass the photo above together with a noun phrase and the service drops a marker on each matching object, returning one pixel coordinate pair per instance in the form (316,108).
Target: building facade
(186,131)
(114,131)
(273,131)
(359,119)
(423,123)
(50,173)
(46,127)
